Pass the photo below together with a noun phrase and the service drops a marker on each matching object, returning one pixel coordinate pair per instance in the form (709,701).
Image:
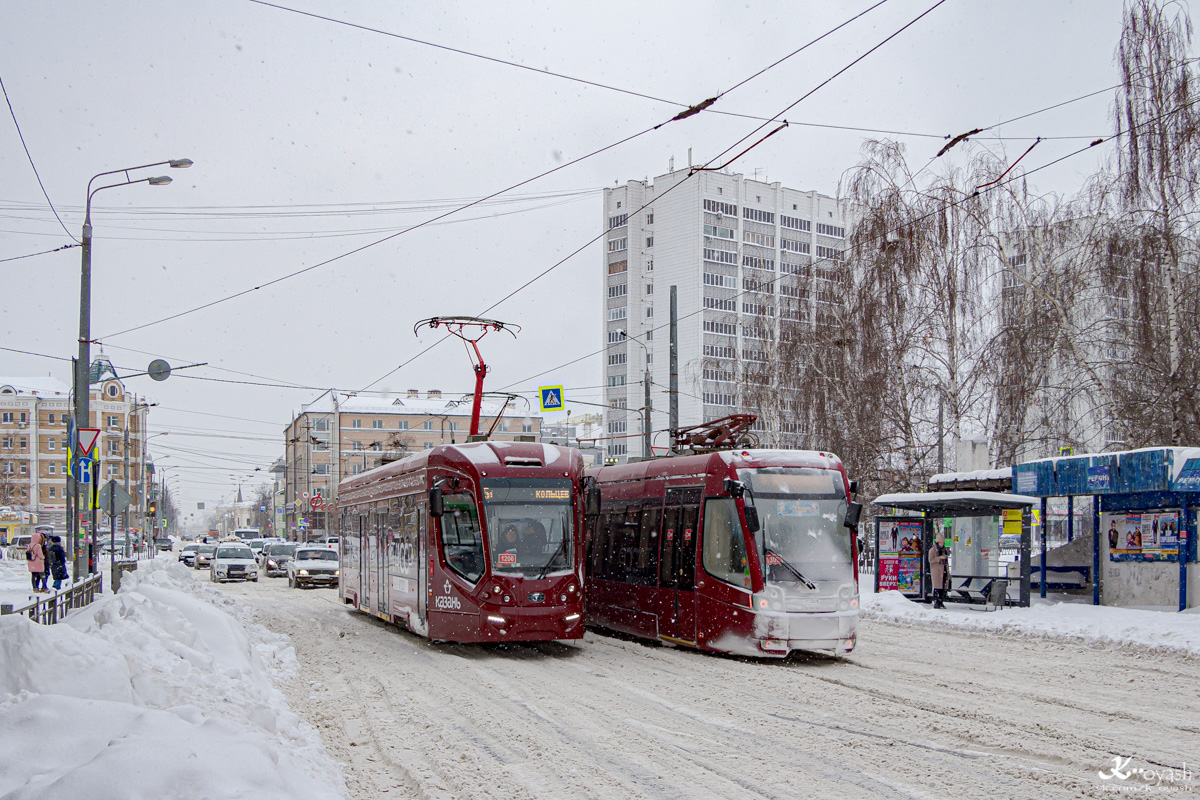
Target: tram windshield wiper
(553,556)
(792,569)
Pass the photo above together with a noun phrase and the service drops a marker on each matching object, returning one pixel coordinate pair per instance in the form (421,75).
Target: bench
(1084,573)
(989,591)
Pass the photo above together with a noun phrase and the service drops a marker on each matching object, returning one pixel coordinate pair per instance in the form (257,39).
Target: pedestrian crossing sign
(552,398)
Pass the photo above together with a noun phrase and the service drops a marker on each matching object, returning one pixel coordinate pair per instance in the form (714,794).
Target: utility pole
(673,424)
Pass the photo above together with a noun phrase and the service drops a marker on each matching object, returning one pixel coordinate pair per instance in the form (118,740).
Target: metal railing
(54,608)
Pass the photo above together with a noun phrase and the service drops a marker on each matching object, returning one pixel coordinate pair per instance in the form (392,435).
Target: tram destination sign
(534,490)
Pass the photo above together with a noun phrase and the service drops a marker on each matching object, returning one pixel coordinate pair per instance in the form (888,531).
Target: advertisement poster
(1144,536)
(899,548)
(887,545)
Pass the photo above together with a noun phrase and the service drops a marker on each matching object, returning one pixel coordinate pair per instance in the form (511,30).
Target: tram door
(364,586)
(422,564)
(677,565)
(372,565)
(386,536)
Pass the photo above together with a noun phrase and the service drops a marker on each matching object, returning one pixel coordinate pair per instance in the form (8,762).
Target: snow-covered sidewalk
(162,690)
(1071,621)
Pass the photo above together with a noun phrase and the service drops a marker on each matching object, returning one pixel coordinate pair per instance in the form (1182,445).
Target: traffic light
(152,508)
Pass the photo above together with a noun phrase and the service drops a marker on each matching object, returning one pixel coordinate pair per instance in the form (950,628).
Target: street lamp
(646,385)
(82,384)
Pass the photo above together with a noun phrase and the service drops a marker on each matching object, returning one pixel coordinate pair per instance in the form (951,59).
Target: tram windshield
(801,541)
(529,525)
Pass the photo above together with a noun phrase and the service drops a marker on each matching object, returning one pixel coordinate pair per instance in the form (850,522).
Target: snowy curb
(1101,626)
(165,689)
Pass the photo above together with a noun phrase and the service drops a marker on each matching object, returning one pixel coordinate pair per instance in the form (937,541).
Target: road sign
(83,470)
(85,439)
(113,497)
(552,398)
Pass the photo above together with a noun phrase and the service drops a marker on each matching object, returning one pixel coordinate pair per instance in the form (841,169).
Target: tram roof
(956,503)
(668,466)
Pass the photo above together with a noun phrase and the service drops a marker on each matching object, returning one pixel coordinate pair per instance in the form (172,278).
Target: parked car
(233,562)
(187,554)
(275,558)
(204,554)
(163,544)
(313,566)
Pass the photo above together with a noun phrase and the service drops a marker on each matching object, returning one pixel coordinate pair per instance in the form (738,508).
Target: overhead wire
(42,253)
(29,156)
(417,226)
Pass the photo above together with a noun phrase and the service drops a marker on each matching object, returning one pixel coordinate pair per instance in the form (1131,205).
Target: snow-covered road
(913,712)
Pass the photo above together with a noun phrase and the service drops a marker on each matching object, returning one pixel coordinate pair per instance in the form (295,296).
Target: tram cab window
(530,525)
(462,542)
(724,549)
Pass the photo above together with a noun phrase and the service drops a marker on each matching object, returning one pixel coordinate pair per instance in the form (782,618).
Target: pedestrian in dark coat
(57,557)
(939,571)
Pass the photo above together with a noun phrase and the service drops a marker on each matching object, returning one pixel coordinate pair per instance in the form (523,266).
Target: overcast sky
(312,139)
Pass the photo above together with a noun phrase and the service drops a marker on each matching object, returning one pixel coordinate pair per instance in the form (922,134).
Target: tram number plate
(774,559)
(444,602)
(507,558)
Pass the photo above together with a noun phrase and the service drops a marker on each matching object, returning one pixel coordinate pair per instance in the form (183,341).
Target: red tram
(476,542)
(751,552)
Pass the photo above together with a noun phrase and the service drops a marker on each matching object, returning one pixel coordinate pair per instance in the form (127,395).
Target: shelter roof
(950,504)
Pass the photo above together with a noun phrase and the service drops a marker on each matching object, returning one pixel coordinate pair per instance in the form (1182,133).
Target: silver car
(233,562)
(313,566)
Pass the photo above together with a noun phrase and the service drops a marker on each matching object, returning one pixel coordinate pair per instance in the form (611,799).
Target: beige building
(34,441)
(339,435)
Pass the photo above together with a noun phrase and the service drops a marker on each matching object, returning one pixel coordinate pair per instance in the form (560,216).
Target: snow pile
(1101,625)
(15,587)
(163,690)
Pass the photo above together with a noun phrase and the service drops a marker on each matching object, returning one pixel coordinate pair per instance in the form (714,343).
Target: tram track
(911,713)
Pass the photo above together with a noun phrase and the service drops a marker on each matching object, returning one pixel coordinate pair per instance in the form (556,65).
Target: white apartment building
(34,440)
(734,248)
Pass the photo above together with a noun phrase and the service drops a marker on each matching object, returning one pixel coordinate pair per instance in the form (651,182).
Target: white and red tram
(751,552)
(477,542)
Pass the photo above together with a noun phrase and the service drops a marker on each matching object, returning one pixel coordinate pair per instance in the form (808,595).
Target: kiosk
(976,521)
(1143,520)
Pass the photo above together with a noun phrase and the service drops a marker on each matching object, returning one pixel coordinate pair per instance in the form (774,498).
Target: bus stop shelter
(976,521)
(1143,520)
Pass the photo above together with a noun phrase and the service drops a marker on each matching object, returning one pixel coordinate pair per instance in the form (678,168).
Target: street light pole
(82,384)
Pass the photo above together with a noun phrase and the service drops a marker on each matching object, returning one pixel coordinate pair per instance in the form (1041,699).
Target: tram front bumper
(530,623)
(823,631)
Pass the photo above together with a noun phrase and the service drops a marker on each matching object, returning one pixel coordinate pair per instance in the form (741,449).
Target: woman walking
(35,559)
(58,561)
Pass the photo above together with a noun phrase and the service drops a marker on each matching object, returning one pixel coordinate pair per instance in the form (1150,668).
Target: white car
(233,562)
(313,566)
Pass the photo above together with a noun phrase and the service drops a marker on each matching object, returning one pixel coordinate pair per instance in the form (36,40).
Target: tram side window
(724,547)
(645,567)
(462,542)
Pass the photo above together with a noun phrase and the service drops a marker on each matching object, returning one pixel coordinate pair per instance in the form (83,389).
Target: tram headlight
(562,598)
(569,618)
(497,620)
(507,599)
(571,588)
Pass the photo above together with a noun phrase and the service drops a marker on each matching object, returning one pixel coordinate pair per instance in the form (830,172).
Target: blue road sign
(83,469)
(552,398)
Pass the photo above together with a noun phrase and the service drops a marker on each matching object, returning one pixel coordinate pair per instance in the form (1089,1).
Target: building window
(619,290)
(724,328)
(649,288)
(376,423)
(527,427)
(616,336)
(718,232)
(502,427)
(7,417)
(615,359)
(835,231)
(429,445)
(114,447)
(320,445)
(24,468)
(760,239)
(6,442)
(795,223)
(377,446)
(718,399)
(759,216)
(616,380)
(617,245)
(52,468)
(66,445)
(618,427)
(23,443)
(793,245)
(52,493)
(112,422)
(356,423)
(428,425)
(616,313)
(755,262)
(50,419)
(617,221)
(650,265)
(320,469)
(402,425)
(724,281)
(356,446)
(617,267)
(649,311)
(717,207)
(617,449)
(650,218)
(355,469)
(720,303)
(49,444)
(831,253)
(320,425)
(720,256)
(649,241)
